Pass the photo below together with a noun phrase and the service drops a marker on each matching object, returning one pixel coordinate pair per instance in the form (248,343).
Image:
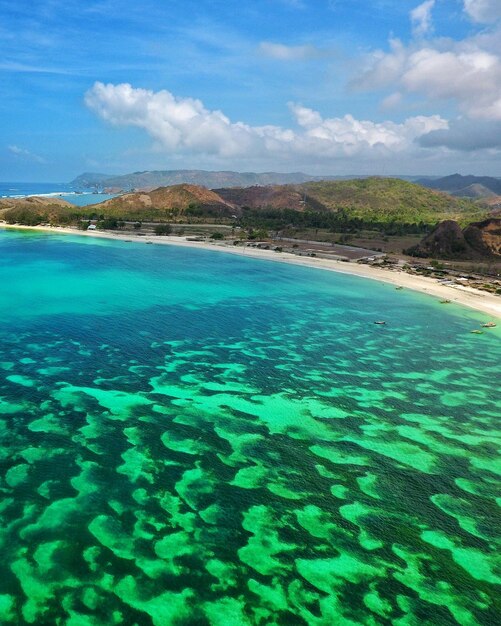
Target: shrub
(163,229)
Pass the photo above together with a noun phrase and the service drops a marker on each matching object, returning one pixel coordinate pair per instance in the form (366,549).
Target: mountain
(164,203)
(89,180)
(464,186)
(448,241)
(476,191)
(151,180)
(381,200)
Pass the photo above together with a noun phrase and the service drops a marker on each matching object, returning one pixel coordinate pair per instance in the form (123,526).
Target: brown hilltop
(36,210)
(448,241)
(33,202)
(164,200)
(271,196)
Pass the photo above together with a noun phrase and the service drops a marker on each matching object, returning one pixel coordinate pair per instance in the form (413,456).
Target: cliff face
(485,237)
(448,241)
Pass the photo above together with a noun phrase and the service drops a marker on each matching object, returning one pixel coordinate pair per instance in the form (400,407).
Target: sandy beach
(487,303)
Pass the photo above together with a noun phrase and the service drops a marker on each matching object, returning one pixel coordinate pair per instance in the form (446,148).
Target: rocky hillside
(485,237)
(494,205)
(448,241)
(271,196)
(164,203)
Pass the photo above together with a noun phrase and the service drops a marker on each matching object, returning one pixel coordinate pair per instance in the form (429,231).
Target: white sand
(487,303)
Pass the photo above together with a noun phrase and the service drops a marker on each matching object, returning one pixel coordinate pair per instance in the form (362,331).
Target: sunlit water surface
(193,438)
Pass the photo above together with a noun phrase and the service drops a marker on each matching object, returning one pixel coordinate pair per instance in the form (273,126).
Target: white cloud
(31,69)
(360,137)
(391,101)
(184,125)
(421,18)
(282,52)
(463,72)
(25,154)
(483,11)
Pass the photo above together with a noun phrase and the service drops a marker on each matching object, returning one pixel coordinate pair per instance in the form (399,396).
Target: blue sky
(323,86)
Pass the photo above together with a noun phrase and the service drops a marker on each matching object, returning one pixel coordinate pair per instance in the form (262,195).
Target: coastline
(481,301)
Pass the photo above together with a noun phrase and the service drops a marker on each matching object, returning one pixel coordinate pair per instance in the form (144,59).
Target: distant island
(148,180)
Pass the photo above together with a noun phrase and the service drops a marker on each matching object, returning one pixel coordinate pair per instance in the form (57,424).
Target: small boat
(488,325)
(398,288)
(444,301)
(477,332)
(380,322)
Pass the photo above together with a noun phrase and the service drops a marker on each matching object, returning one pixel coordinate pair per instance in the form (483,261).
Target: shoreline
(481,301)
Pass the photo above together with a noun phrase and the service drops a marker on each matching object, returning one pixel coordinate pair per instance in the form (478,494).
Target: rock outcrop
(484,237)
(448,241)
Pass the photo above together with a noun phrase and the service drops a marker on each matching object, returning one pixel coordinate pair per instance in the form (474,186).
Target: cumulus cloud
(421,18)
(25,154)
(282,52)
(465,73)
(483,11)
(185,125)
(465,136)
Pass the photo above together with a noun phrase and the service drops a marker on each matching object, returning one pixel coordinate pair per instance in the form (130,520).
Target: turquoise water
(193,438)
(59,190)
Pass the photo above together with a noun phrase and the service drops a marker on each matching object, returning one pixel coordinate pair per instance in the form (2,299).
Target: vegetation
(40,214)
(163,229)
(108,223)
(340,221)
(391,201)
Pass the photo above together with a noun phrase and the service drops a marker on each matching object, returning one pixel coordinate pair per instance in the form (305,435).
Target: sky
(331,87)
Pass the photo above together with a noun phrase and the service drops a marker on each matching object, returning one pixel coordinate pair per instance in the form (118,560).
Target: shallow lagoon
(189,437)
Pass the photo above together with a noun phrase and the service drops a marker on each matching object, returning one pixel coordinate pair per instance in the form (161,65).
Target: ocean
(61,190)
(191,437)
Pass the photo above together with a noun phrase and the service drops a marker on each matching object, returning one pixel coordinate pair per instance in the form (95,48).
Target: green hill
(391,200)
